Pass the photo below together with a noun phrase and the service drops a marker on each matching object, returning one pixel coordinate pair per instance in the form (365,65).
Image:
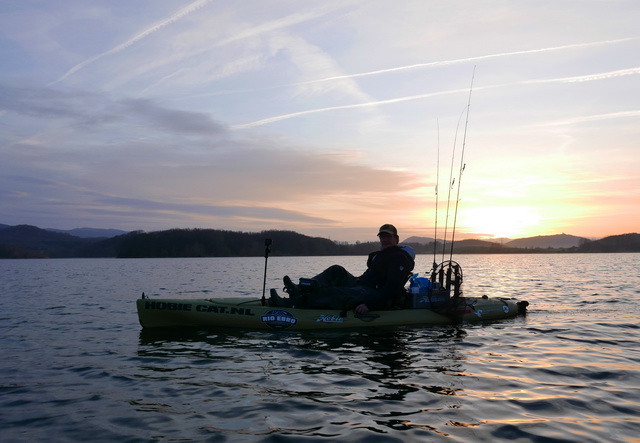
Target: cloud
(43,102)
(172,120)
(93,159)
(224,211)
(98,111)
(240,187)
(311,59)
(240,172)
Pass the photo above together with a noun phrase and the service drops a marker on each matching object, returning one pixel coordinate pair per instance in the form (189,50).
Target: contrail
(591,118)
(588,78)
(274,25)
(178,15)
(465,60)
(583,78)
(419,65)
(335,108)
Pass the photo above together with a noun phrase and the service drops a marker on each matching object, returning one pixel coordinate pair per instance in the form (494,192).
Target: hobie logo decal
(278,319)
(330,319)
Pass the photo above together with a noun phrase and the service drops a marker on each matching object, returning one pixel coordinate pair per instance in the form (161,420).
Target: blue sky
(329,118)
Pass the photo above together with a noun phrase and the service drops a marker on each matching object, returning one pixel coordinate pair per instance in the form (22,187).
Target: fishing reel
(449,275)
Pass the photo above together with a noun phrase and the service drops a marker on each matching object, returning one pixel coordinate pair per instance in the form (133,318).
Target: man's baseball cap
(389,229)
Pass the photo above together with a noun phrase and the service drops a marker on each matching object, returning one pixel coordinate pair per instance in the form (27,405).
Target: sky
(490,119)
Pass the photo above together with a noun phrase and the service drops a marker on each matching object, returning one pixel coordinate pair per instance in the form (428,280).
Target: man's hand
(362,309)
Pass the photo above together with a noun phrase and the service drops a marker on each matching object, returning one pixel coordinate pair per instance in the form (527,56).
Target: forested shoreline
(26,241)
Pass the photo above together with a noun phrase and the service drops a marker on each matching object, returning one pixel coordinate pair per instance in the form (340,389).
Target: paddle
(267,250)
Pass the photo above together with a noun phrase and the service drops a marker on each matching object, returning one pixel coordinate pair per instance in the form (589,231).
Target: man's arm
(398,270)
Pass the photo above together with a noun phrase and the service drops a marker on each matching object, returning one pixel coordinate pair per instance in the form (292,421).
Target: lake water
(76,366)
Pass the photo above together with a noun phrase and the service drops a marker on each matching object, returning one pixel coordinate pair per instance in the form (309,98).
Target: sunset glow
(251,116)
(502,222)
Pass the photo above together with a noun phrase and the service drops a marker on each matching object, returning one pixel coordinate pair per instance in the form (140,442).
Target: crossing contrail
(150,30)
(583,78)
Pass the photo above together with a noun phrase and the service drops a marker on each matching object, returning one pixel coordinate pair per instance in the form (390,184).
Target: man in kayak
(336,288)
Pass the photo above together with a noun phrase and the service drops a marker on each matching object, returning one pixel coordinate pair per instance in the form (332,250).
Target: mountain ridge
(547,241)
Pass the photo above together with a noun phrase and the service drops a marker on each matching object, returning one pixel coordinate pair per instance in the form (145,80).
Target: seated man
(335,288)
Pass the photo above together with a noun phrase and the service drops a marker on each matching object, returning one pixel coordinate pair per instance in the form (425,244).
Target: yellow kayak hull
(251,314)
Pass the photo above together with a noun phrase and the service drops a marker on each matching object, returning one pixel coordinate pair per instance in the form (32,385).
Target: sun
(500,222)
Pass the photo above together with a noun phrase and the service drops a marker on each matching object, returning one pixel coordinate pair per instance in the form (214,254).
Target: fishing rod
(451,184)
(462,164)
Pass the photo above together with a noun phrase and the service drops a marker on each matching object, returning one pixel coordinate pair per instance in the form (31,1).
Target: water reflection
(388,354)
(395,378)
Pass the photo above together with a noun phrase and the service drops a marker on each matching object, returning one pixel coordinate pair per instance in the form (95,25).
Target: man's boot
(290,288)
(275,300)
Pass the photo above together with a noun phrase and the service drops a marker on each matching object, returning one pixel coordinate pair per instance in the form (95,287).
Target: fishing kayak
(434,299)
(254,313)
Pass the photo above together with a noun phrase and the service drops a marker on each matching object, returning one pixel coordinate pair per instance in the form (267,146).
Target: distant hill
(31,241)
(219,243)
(90,232)
(418,240)
(614,243)
(547,241)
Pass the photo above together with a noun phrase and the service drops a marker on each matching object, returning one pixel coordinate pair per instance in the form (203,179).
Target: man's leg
(335,278)
(335,275)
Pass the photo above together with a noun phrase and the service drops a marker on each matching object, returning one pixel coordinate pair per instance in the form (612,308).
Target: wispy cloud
(150,30)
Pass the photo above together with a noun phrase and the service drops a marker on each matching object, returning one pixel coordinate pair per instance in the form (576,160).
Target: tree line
(31,242)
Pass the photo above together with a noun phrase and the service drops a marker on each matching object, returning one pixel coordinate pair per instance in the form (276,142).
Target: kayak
(434,299)
(254,313)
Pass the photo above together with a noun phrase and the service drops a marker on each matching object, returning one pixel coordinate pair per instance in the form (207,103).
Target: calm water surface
(76,365)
